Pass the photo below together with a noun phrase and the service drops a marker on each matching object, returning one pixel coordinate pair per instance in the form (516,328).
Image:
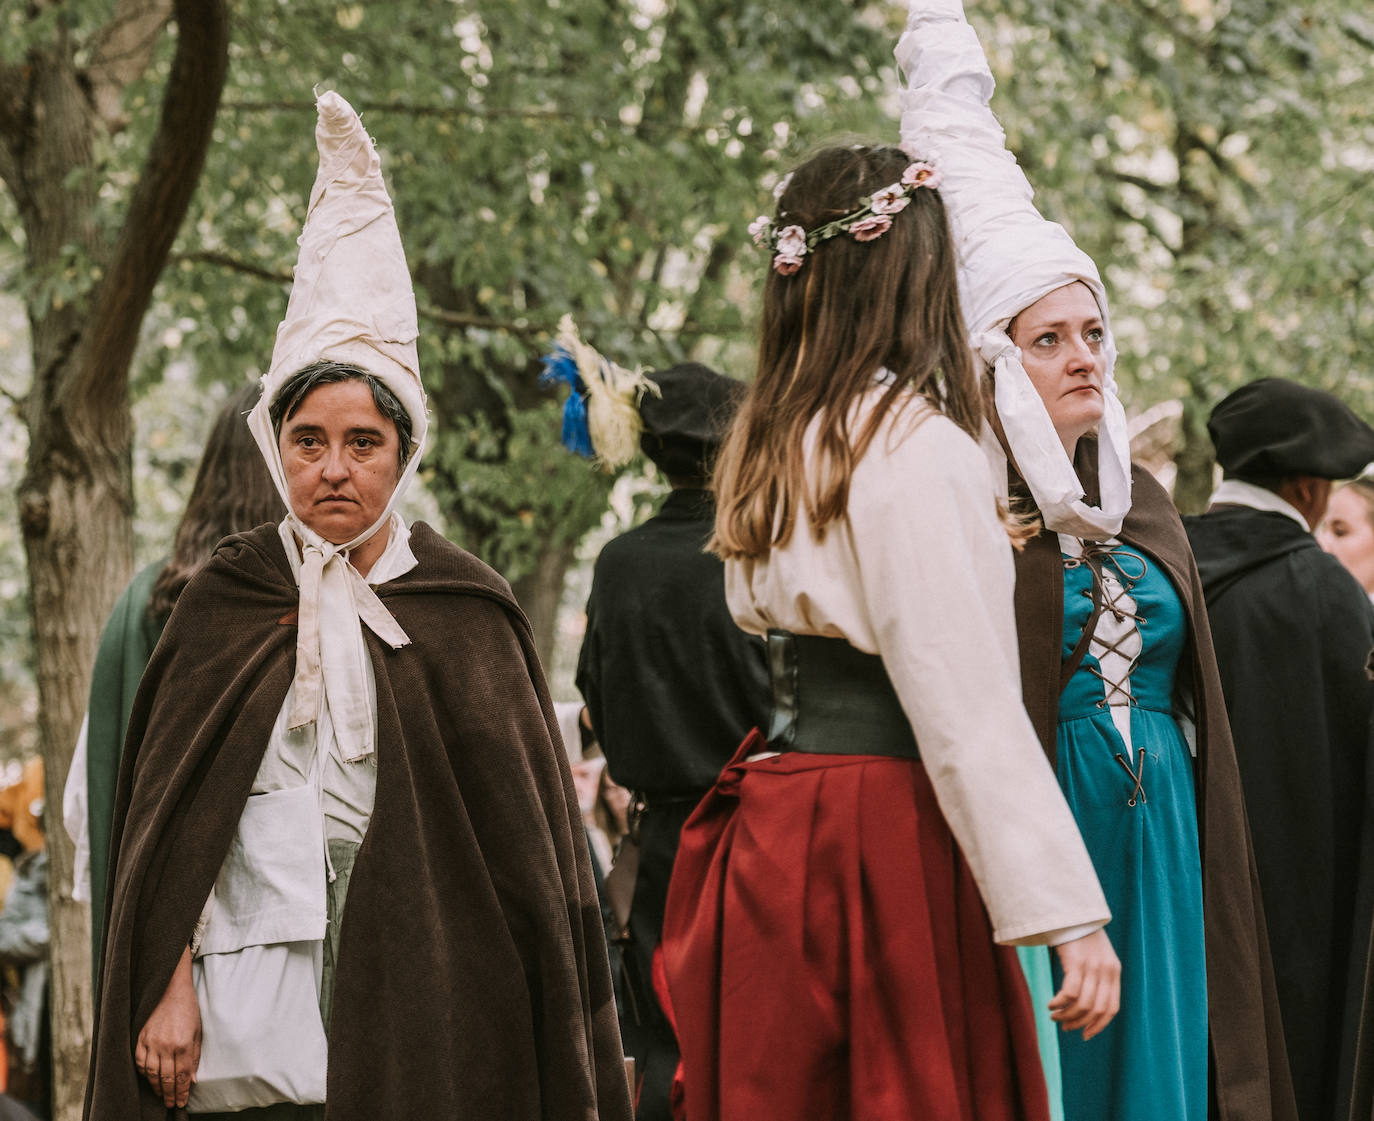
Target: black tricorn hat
(1273,428)
(685,422)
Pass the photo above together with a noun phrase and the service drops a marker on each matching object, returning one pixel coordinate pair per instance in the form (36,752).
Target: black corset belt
(832,699)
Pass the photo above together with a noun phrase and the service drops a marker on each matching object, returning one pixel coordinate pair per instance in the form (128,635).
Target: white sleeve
(76,819)
(936,578)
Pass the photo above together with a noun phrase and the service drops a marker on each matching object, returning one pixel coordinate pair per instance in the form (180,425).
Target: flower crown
(791,243)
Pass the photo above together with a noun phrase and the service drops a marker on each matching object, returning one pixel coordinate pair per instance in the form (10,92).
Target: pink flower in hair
(890,200)
(758,229)
(870,228)
(792,242)
(921,174)
(786,264)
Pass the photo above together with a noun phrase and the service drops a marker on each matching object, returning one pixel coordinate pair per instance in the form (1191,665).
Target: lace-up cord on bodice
(1115,643)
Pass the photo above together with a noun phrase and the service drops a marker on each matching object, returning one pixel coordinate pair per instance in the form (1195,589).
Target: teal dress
(1127,775)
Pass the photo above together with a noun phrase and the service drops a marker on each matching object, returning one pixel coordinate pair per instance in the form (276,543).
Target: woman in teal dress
(1106,554)
(1127,774)
(1131,713)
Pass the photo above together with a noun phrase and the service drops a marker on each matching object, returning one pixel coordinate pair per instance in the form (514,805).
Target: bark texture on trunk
(1194,460)
(76,498)
(539,594)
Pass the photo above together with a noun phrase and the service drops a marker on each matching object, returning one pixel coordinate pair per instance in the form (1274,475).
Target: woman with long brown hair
(843,909)
(232,493)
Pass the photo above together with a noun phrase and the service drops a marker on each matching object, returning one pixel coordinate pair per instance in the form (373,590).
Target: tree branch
(655,128)
(445,316)
(1174,30)
(522,327)
(1148,224)
(412,110)
(1149,186)
(158,205)
(234,264)
(1358,31)
(120,53)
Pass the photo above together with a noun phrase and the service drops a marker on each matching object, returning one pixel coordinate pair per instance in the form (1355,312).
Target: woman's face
(1348,535)
(1061,337)
(341,458)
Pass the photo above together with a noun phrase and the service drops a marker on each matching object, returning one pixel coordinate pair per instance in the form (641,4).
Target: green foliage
(544,157)
(549,156)
(1214,156)
(562,496)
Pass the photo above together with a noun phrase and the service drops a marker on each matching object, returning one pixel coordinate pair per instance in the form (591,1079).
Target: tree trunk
(75,509)
(75,505)
(539,595)
(1196,467)
(76,498)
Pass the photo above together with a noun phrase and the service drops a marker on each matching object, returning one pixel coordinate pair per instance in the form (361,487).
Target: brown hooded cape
(1249,1067)
(472,977)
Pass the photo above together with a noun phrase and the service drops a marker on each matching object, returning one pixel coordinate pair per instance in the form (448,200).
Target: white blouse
(271,887)
(919,571)
(348,789)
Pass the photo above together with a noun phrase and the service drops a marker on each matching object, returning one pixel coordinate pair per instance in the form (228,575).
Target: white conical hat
(352,299)
(351,302)
(1009,257)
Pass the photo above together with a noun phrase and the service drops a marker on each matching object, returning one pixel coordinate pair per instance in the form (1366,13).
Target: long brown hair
(852,309)
(232,493)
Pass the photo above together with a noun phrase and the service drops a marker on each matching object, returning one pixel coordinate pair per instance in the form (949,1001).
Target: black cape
(672,686)
(671,683)
(472,977)
(1293,631)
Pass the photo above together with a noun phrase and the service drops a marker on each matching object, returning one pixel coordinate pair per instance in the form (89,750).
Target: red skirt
(827,954)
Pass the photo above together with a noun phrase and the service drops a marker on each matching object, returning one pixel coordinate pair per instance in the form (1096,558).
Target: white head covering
(1009,257)
(351,302)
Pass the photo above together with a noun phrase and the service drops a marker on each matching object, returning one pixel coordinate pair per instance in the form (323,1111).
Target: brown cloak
(472,977)
(1249,1067)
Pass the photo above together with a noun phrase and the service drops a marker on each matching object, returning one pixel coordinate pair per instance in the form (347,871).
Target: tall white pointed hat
(1009,257)
(351,302)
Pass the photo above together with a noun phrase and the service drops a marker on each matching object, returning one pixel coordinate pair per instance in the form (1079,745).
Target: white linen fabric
(1233,492)
(919,571)
(260,1043)
(1009,257)
(348,785)
(351,302)
(76,818)
(257,970)
(259,944)
(1116,642)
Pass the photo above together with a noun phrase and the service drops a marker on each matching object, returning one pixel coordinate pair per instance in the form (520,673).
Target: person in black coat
(672,686)
(1293,632)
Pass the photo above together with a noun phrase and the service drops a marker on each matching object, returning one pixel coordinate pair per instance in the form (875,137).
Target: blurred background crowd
(549,156)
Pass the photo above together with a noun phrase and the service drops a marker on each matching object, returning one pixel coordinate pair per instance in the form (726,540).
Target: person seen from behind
(849,894)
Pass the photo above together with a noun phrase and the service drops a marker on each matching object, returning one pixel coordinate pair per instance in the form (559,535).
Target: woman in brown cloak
(350,881)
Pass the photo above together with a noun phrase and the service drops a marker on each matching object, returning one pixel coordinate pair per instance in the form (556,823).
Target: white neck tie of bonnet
(351,303)
(335,601)
(1039,453)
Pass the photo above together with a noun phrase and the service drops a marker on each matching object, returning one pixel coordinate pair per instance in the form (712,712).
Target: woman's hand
(168,1049)
(1091,992)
